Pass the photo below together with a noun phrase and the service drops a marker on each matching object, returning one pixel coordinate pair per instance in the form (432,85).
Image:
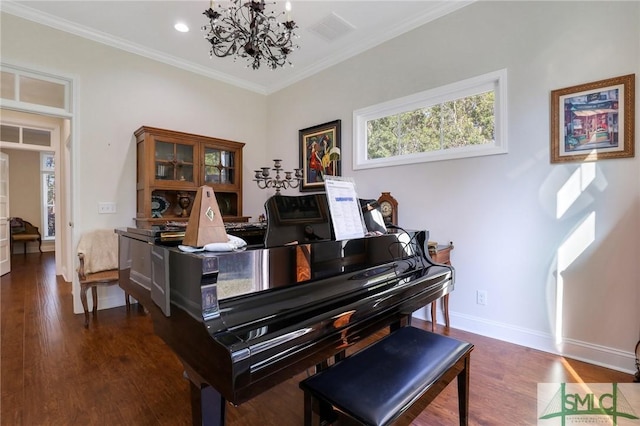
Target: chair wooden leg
(40,245)
(94,293)
(83,299)
(433,315)
(446,310)
(127,301)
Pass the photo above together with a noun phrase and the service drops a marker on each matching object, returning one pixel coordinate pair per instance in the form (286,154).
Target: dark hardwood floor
(56,372)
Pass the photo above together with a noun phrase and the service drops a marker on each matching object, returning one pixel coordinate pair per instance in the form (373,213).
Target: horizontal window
(463,119)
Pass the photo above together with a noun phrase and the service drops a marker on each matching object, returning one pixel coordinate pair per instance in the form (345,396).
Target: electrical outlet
(106,208)
(481,297)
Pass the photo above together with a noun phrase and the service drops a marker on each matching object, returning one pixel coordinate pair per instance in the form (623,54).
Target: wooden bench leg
(463,392)
(308,409)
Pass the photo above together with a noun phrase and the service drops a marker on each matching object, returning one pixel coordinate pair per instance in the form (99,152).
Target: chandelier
(264,181)
(244,29)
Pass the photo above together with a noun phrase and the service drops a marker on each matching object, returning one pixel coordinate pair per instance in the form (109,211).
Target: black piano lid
(258,292)
(246,273)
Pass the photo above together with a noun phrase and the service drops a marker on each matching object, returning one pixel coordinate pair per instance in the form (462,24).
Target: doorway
(28,175)
(42,99)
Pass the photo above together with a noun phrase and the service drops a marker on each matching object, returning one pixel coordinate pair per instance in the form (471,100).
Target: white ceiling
(146,28)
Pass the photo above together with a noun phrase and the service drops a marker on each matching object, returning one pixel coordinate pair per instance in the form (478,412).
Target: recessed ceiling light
(182,27)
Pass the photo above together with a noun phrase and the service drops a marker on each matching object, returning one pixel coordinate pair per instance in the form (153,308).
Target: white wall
(117,92)
(501,211)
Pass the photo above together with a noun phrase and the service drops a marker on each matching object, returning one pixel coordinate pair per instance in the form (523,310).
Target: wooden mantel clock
(389,208)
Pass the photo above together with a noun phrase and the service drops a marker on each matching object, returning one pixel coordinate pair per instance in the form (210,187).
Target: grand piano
(242,322)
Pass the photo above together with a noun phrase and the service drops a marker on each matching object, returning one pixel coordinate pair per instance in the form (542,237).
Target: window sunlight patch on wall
(574,186)
(581,238)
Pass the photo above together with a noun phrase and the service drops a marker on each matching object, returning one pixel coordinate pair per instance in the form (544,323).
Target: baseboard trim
(591,353)
(105,302)
(33,250)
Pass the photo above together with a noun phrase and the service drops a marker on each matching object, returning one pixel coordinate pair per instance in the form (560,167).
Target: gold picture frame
(593,121)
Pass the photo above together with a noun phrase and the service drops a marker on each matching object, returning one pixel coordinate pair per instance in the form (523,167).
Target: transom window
(35,91)
(25,136)
(463,119)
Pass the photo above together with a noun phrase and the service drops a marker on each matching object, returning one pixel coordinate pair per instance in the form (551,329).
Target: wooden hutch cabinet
(171,166)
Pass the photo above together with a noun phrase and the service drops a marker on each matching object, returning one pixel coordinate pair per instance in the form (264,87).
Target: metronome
(205,224)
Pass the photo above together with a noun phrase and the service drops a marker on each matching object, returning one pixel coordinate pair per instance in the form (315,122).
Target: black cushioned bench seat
(376,385)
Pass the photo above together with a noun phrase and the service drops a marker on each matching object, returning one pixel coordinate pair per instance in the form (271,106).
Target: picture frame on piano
(319,154)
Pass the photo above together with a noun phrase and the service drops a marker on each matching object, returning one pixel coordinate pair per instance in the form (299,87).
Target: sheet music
(346,214)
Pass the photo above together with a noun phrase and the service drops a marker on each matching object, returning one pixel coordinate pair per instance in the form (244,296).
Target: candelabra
(264,181)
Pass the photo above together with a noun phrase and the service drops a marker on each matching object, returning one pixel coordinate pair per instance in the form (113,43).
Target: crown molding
(416,21)
(39,17)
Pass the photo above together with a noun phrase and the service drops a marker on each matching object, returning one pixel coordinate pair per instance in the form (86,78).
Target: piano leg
(207,406)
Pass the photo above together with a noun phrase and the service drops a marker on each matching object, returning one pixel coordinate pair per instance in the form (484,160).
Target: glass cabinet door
(219,166)
(174,161)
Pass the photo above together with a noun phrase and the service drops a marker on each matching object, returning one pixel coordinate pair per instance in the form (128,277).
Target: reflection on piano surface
(243,322)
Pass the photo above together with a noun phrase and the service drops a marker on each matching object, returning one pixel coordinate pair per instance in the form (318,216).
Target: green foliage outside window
(452,124)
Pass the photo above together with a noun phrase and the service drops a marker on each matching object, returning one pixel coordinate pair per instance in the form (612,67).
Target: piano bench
(377,385)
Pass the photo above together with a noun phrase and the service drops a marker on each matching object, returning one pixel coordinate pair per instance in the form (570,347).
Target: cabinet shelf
(172,166)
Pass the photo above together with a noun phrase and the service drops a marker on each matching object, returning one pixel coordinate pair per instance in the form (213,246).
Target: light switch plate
(104,207)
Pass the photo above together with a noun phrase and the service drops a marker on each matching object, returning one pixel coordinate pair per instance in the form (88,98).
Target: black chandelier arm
(282,39)
(270,54)
(235,32)
(281,44)
(218,33)
(220,50)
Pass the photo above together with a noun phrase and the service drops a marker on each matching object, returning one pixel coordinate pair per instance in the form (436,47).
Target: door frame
(34,120)
(5,246)
(66,174)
